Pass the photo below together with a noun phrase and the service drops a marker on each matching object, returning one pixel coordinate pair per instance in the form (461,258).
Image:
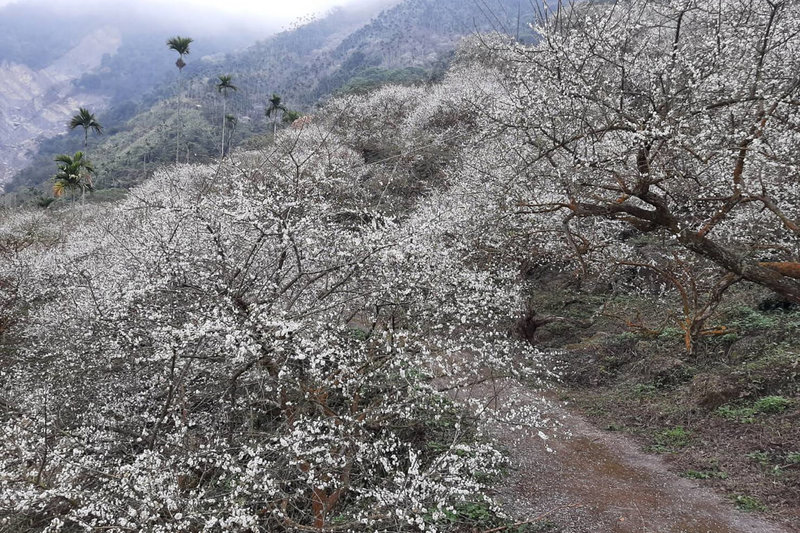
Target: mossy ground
(727,415)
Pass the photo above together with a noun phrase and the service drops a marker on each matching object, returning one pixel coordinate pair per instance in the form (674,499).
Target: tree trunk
(180,120)
(762,274)
(224,109)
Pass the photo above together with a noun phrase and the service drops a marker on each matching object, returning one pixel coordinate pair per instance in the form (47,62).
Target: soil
(578,478)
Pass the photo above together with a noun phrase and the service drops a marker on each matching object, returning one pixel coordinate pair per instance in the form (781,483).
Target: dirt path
(597,481)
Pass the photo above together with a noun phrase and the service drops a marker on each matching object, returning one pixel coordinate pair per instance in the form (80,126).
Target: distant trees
(181,45)
(223,86)
(74,173)
(86,120)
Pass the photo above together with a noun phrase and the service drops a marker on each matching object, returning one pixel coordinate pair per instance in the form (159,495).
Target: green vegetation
(478,515)
(759,457)
(772,404)
(86,120)
(747,503)
(74,174)
(373,77)
(745,319)
(749,414)
(745,415)
(274,110)
(670,440)
(705,474)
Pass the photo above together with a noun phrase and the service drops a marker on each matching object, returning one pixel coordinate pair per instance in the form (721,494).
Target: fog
(206,15)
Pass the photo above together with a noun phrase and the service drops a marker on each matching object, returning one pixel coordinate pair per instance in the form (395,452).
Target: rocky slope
(37,103)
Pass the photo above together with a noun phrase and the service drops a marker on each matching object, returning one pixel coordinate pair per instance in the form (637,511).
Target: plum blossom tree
(676,119)
(260,346)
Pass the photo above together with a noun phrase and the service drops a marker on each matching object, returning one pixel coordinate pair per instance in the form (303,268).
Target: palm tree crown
(180,45)
(275,105)
(86,120)
(225,84)
(74,172)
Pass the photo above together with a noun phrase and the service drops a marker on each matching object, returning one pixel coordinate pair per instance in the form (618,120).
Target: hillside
(38,102)
(346,50)
(413,38)
(110,65)
(465,305)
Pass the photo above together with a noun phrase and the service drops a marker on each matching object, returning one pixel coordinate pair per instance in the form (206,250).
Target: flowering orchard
(267,344)
(257,346)
(657,137)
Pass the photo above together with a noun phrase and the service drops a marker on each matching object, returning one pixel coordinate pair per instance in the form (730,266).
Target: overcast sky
(277,9)
(282,11)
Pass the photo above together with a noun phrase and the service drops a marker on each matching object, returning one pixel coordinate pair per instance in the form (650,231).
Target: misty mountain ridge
(123,74)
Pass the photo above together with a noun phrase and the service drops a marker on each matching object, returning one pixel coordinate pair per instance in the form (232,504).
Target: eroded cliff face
(35,104)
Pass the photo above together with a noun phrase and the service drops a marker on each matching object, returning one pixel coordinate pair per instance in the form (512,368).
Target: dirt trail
(597,481)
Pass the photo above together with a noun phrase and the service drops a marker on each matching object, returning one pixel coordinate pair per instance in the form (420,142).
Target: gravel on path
(582,479)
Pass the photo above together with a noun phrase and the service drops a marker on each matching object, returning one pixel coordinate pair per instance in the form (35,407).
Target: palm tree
(85,120)
(290,116)
(274,108)
(74,172)
(180,45)
(223,87)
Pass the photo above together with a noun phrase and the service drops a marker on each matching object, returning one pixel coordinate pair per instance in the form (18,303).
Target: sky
(281,11)
(279,8)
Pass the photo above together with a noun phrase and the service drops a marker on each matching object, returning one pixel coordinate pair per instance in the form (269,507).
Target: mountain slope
(316,60)
(349,49)
(38,102)
(54,59)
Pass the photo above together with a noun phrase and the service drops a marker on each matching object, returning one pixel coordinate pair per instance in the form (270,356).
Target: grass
(645,389)
(772,404)
(747,319)
(672,439)
(759,457)
(478,516)
(747,503)
(773,465)
(762,406)
(745,415)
